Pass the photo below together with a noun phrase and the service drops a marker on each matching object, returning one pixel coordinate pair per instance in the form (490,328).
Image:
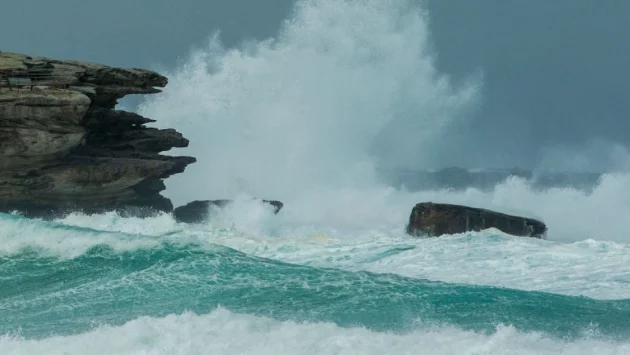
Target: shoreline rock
(199,211)
(437,219)
(64,148)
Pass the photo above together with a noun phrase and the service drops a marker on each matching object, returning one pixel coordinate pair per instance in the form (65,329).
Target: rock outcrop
(199,211)
(436,219)
(63,146)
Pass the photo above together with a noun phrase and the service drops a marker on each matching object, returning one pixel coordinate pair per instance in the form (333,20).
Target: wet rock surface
(199,211)
(437,219)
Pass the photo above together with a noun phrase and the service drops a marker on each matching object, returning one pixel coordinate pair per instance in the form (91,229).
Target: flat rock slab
(437,219)
(199,211)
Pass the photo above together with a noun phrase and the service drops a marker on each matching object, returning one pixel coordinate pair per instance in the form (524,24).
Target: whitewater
(309,117)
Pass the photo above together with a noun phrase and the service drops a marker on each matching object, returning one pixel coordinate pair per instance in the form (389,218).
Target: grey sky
(131,32)
(555,72)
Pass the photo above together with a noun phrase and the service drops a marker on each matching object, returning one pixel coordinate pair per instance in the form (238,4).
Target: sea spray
(224,333)
(306,117)
(343,86)
(596,269)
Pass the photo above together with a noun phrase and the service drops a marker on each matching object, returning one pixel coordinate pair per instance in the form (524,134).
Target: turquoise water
(43,296)
(305,117)
(154,286)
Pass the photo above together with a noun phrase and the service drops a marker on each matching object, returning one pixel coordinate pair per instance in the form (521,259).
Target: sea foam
(223,332)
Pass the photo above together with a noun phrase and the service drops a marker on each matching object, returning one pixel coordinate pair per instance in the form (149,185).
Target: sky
(555,73)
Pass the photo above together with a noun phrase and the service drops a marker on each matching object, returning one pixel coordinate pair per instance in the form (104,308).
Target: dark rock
(148,206)
(180,164)
(64,148)
(199,211)
(150,185)
(138,140)
(436,219)
(106,121)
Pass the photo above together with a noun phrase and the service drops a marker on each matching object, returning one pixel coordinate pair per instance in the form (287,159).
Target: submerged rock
(199,211)
(64,148)
(436,219)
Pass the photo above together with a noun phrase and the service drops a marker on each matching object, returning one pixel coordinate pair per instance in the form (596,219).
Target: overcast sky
(555,72)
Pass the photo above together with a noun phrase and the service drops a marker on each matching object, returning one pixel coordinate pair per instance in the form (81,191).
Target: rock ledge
(63,146)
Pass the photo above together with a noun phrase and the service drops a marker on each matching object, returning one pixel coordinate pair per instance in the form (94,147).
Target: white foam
(225,333)
(591,268)
(161,224)
(344,85)
(351,230)
(598,269)
(570,214)
(19,234)
(306,116)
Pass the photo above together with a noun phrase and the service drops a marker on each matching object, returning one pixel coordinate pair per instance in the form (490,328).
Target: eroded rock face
(39,124)
(436,219)
(199,211)
(64,148)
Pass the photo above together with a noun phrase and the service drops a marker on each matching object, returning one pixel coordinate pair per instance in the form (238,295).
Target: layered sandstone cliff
(63,146)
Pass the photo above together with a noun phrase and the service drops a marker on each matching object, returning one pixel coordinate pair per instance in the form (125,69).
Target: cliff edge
(64,147)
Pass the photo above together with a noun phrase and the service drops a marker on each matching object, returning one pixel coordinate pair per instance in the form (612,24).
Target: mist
(553,75)
(343,88)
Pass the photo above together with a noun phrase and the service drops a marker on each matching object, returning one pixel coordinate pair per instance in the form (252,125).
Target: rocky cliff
(64,147)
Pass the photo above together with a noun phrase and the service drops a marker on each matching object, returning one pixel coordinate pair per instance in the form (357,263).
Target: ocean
(153,286)
(309,117)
